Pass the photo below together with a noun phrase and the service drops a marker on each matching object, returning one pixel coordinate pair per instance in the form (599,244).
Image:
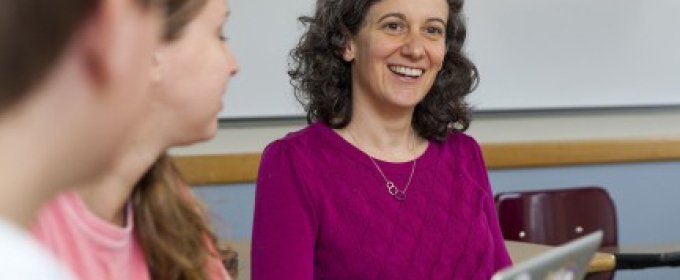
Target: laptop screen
(567,262)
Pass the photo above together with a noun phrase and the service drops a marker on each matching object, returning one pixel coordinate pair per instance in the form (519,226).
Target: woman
(72,80)
(383,184)
(139,219)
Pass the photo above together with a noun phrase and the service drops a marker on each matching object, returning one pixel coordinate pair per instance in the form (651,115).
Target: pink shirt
(93,248)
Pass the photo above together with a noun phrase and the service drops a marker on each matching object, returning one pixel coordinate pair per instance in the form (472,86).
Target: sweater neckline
(425,160)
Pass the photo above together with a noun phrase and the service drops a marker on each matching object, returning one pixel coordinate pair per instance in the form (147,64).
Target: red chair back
(554,217)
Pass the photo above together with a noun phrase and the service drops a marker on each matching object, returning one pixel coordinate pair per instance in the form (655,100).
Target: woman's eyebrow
(394,14)
(437,19)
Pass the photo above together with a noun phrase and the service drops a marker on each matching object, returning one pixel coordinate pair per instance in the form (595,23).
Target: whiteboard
(531,54)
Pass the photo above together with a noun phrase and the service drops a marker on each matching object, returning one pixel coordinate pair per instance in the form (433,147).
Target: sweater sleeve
(501,256)
(285,225)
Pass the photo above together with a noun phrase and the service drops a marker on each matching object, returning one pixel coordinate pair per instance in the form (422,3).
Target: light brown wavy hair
(33,34)
(170,223)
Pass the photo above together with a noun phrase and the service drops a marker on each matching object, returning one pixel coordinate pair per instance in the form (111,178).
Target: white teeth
(412,72)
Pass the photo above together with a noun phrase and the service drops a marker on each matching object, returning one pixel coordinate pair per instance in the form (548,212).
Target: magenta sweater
(322,211)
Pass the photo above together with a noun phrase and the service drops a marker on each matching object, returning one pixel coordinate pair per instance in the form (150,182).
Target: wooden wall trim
(219,169)
(560,153)
(242,168)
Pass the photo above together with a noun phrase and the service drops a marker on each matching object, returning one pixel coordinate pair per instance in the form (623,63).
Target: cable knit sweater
(322,211)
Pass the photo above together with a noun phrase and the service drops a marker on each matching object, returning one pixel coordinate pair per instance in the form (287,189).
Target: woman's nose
(413,47)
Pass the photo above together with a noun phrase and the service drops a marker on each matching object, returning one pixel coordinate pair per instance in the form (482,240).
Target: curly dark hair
(322,78)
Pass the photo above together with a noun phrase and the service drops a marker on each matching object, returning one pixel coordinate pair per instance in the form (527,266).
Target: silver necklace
(391,187)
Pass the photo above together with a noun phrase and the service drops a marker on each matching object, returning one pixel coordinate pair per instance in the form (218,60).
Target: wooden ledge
(560,153)
(219,169)
(242,168)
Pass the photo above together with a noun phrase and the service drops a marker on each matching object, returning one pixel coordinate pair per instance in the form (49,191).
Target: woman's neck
(107,196)
(386,138)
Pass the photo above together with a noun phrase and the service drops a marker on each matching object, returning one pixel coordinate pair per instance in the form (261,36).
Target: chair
(553,217)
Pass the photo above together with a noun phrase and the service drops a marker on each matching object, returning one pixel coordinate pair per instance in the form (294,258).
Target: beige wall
(246,137)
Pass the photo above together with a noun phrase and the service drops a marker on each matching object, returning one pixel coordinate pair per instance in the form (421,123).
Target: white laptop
(566,262)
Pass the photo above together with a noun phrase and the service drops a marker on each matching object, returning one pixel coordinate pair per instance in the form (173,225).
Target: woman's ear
(349,52)
(156,67)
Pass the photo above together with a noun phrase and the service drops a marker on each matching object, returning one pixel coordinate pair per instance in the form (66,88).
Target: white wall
(531,54)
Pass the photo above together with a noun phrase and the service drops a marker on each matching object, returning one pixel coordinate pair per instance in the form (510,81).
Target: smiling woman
(430,45)
(396,57)
(382,184)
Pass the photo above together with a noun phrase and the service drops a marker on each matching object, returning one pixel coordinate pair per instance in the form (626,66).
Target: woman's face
(194,73)
(397,52)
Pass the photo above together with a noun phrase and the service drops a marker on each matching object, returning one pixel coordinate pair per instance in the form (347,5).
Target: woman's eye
(434,31)
(394,26)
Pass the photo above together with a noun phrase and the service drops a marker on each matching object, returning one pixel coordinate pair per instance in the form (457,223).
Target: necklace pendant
(391,188)
(394,191)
